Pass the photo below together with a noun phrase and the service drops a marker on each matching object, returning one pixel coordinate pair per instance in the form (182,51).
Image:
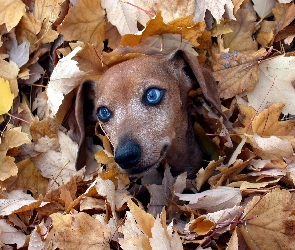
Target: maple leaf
(217,9)
(269,221)
(124,16)
(85,22)
(236,72)
(265,123)
(276,77)
(185,26)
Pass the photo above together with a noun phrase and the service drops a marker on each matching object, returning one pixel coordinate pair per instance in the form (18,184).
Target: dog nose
(128,154)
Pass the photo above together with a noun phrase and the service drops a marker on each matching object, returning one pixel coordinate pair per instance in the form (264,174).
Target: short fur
(161,131)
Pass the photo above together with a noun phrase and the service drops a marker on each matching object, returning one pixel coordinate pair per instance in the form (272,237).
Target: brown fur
(164,130)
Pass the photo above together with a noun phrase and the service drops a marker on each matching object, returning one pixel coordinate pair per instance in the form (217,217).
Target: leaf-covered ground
(243,198)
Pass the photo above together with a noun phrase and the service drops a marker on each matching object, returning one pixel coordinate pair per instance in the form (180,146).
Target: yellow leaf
(6,97)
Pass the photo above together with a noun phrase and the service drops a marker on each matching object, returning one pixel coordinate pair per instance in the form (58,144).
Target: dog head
(142,105)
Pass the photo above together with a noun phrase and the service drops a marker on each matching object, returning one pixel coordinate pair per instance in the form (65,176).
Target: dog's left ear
(201,75)
(84,115)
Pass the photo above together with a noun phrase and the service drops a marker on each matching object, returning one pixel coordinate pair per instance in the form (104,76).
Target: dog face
(140,106)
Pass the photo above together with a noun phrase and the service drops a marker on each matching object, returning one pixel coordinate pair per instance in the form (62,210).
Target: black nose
(127,154)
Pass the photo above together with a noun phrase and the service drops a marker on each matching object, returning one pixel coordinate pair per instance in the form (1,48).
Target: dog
(142,104)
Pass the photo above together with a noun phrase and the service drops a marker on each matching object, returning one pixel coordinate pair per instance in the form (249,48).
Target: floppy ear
(202,75)
(84,115)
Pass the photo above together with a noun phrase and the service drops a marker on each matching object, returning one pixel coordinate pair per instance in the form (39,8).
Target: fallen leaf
(263,7)
(266,123)
(18,202)
(159,239)
(217,9)
(6,97)
(133,238)
(243,28)
(236,72)
(145,221)
(29,179)
(275,84)
(59,165)
(79,230)
(11,12)
(10,235)
(9,71)
(272,148)
(283,15)
(185,26)
(124,16)
(213,200)
(85,22)
(269,223)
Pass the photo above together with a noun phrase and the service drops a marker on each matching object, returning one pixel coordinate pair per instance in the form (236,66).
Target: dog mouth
(140,170)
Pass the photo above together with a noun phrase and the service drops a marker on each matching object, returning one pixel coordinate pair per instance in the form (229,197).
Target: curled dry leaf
(213,200)
(220,220)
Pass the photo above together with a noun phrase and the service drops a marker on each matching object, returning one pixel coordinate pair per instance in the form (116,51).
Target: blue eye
(153,96)
(103,114)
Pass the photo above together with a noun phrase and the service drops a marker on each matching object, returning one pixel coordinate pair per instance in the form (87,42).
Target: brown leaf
(236,72)
(266,123)
(270,224)
(243,28)
(85,22)
(284,14)
(79,230)
(184,26)
(29,178)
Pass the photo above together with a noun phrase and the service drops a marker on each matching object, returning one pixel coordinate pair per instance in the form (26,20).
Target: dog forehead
(136,75)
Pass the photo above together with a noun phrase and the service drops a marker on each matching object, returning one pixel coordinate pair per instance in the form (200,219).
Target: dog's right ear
(84,116)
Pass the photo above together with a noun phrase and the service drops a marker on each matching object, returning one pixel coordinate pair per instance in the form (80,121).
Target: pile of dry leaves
(243,199)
